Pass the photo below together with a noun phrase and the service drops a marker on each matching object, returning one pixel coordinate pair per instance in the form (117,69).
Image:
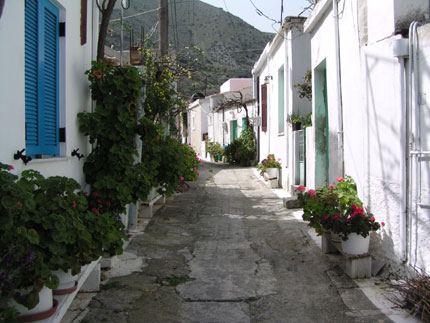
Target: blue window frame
(41,78)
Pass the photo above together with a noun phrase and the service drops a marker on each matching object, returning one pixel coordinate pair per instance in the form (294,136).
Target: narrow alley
(227,251)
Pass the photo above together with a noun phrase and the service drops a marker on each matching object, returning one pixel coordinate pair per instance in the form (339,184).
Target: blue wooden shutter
(49,80)
(31,77)
(42,90)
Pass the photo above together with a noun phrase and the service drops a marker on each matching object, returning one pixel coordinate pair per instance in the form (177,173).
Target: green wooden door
(321,127)
(233,130)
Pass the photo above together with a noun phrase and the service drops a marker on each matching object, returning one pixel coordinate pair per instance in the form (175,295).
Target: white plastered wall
(74,95)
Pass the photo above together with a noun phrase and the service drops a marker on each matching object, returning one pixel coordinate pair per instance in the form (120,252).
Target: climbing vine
(111,168)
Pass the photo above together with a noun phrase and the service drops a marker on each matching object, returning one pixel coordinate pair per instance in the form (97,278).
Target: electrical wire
(135,15)
(261,13)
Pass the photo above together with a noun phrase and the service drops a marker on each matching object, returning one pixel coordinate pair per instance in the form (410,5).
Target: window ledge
(281,134)
(48,160)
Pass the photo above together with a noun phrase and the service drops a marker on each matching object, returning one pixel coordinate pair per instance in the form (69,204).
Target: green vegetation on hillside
(230,47)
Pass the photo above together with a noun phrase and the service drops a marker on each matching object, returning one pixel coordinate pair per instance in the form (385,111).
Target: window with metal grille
(41,78)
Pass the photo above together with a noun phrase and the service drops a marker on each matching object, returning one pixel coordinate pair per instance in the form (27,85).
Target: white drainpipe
(411,143)
(338,90)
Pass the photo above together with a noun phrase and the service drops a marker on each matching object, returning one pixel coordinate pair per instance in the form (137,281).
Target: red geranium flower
(340,179)
(11,167)
(301,188)
(94,210)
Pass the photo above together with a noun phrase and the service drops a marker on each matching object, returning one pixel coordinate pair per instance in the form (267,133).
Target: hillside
(230,45)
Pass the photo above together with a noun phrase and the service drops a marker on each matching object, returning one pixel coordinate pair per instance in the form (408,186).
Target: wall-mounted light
(267,79)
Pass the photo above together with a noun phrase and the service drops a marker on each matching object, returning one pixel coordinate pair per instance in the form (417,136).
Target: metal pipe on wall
(411,140)
(340,139)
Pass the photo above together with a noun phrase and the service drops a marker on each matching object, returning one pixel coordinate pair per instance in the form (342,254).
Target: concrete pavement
(227,251)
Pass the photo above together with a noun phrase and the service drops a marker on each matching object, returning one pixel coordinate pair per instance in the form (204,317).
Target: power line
(135,15)
(261,13)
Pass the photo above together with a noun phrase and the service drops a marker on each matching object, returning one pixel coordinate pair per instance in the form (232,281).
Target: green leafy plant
(215,149)
(64,238)
(242,151)
(304,121)
(23,264)
(269,162)
(305,89)
(163,102)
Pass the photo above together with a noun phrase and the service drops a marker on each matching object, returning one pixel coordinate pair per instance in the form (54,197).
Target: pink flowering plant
(317,204)
(353,220)
(336,208)
(269,162)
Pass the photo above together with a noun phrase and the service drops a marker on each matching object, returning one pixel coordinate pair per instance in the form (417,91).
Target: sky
(271,8)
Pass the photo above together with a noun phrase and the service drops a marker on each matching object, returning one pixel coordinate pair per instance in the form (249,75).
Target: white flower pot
(67,283)
(44,309)
(272,172)
(356,244)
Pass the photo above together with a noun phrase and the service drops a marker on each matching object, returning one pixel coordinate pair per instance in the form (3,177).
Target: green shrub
(242,151)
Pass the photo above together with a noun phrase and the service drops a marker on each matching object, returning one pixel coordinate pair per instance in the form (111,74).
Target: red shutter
(264,107)
(83,22)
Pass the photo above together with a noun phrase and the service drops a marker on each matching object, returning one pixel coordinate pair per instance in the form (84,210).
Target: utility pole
(163,22)
(282,11)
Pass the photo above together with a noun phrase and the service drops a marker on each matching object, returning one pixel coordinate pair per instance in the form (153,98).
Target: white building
(47,47)
(227,117)
(364,125)
(197,113)
(283,63)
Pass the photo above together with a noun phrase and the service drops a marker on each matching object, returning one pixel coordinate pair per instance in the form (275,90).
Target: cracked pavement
(227,251)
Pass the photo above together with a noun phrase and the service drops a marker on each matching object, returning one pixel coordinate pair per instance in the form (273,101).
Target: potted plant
(337,209)
(298,122)
(216,151)
(74,229)
(270,165)
(354,226)
(295,120)
(317,204)
(26,281)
